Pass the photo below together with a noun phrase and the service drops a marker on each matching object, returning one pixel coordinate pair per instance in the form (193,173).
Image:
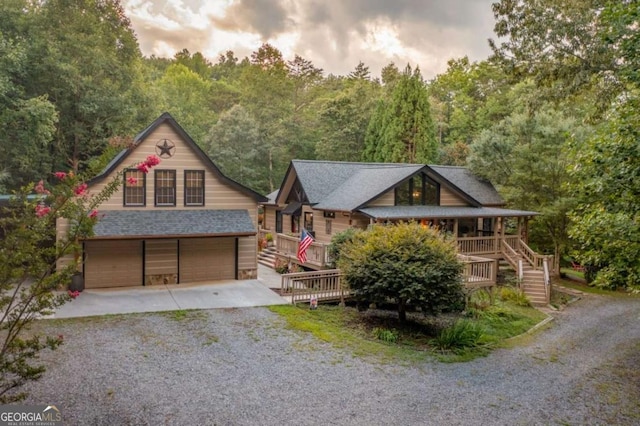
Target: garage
(113,263)
(207,259)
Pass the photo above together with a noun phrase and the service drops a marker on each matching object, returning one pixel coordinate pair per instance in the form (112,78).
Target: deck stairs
(531,279)
(267,257)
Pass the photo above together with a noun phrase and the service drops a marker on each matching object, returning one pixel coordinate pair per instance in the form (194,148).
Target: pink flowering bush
(29,279)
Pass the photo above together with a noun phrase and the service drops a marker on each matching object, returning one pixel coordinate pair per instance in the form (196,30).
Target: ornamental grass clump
(461,335)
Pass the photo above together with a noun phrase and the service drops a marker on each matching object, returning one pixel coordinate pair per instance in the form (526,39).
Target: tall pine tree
(402,129)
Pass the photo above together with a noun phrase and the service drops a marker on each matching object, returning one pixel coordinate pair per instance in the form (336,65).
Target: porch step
(267,257)
(533,286)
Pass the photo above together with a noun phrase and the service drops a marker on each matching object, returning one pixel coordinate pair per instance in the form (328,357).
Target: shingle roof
(271,198)
(480,190)
(364,185)
(439,212)
(173,223)
(337,183)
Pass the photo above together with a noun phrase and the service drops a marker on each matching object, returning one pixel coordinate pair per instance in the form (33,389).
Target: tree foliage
(406,263)
(606,181)
(401,130)
(234,145)
(526,157)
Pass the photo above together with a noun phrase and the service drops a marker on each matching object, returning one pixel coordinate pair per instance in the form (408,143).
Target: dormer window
(165,188)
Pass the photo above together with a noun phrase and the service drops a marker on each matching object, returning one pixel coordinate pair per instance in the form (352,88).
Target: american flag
(305,241)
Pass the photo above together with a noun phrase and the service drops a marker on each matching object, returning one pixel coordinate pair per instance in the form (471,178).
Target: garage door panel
(207,259)
(113,264)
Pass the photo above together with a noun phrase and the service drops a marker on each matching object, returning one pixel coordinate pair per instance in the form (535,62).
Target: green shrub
(514,295)
(406,263)
(389,336)
(463,334)
(337,242)
(281,266)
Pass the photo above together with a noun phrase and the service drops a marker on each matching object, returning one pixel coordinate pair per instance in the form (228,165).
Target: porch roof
(128,224)
(439,212)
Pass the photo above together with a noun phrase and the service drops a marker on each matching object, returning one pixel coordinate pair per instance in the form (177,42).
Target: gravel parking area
(243,367)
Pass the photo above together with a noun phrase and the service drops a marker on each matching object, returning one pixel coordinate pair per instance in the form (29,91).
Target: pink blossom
(60,175)
(73,294)
(152,160)
(143,168)
(80,189)
(93,214)
(40,188)
(132,180)
(42,210)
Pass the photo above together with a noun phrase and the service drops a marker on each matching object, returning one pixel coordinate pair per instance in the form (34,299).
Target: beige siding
(338,224)
(161,262)
(207,259)
(113,263)
(386,199)
(269,218)
(247,258)
(320,226)
(449,198)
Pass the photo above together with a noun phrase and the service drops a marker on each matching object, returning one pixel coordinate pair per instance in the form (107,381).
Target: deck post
(496,233)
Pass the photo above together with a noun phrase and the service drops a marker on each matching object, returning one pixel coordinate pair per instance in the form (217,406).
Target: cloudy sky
(334,34)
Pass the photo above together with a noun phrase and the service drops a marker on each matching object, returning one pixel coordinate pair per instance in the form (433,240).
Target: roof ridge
(360,163)
(448,166)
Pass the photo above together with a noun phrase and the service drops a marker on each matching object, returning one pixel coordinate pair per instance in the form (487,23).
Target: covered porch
(482,231)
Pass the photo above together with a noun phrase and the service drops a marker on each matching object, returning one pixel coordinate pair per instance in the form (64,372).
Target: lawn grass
(341,328)
(365,334)
(576,285)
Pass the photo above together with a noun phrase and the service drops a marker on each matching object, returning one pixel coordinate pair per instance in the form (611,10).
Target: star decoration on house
(165,148)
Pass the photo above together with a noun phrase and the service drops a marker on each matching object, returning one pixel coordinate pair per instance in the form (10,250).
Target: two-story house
(183,222)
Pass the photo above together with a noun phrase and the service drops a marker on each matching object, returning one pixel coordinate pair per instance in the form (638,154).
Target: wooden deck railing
(478,271)
(287,245)
(478,245)
(323,285)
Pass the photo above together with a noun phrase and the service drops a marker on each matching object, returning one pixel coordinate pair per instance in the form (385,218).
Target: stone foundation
(247,274)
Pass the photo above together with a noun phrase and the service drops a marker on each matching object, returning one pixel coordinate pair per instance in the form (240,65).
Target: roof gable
(167,119)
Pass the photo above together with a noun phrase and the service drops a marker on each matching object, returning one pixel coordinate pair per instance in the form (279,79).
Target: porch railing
(477,245)
(478,271)
(287,245)
(321,285)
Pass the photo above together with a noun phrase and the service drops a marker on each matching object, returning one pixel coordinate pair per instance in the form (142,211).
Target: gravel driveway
(242,367)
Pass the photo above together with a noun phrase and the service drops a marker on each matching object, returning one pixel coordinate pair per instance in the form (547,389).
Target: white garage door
(113,264)
(207,259)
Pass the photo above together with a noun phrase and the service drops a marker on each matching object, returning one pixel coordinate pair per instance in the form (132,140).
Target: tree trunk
(402,311)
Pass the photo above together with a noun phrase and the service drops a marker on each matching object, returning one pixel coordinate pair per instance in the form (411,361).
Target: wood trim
(172,236)
(235,247)
(144,261)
